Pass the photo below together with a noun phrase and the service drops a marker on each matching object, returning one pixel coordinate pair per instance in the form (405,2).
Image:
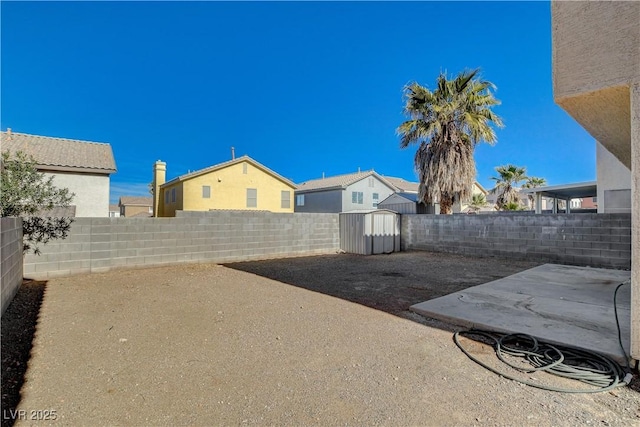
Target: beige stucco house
(239,184)
(81,166)
(135,206)
(596,79)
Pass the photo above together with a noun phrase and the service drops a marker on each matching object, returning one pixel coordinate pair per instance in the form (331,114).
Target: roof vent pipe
(233,153)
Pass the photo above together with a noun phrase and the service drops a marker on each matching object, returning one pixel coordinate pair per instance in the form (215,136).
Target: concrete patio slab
(559,304)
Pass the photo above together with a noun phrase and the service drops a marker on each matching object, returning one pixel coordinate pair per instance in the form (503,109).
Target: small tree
(509,176)
(533,182)
(478,201)
(27,193)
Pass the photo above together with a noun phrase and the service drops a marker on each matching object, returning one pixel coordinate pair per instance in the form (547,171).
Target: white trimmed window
(357,197)
(206,192)
(300,200)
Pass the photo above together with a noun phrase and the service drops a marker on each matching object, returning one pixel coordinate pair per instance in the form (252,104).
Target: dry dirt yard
(211,345)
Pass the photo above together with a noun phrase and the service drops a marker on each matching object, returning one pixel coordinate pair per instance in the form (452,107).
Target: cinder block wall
(596,240)
(101,244)
(10,258)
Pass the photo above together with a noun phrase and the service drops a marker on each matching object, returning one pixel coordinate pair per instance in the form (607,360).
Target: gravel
(210,345)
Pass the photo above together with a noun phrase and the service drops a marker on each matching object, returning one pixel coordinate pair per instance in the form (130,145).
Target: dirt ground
(390,283)
(211,345)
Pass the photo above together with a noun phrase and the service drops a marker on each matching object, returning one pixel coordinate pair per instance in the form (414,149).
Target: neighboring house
(404,203)
(402,185)
(407,202)
(81,166)
(459,207)
(241,183)
(596,80)
(342,193)
(140,207)
(114,211)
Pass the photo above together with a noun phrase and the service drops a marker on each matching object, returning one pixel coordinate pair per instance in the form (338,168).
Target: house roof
(114,208)
(403,185)
(340,181)
(409,197)
(135,201)
(225,165)
(62,154)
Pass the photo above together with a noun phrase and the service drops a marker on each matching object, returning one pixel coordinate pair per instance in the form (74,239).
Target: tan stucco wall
(134,210)
(596,79)
(229,191)
(635,222)
(596,45)
(596,57)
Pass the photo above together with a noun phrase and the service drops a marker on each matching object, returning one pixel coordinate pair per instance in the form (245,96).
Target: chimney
(322,175)
(159,177)
(233,153)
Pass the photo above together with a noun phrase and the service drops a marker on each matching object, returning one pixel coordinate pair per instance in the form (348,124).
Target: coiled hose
(586,366)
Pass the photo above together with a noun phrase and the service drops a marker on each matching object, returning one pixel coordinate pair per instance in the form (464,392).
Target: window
(244,168)
(252,197)
(300,200)
(285,200)
(173,195)
(357,197)
(375,200)
(375,196)
(206,192)
(166,199)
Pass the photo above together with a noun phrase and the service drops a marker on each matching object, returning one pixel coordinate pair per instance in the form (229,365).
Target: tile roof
(114,208)
(60,153)
(403,185)
(135,201)
(227,164)
(338,181)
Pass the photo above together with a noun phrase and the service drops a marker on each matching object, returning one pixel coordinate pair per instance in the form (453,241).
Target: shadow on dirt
(19,324)
(391,283)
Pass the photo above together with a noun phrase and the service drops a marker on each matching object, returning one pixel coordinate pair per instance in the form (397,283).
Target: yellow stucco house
(241,183)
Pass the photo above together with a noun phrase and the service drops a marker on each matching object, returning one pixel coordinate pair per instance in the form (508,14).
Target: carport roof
(566,191)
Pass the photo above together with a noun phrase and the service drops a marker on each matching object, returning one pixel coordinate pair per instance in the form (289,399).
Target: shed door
(383,233)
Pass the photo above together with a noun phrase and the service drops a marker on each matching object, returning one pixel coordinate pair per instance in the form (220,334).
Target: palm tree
(512,206)
(506,184)
(447,123)
(478,201)
(533,182)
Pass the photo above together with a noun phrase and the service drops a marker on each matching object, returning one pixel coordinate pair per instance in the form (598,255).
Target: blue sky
(302,87)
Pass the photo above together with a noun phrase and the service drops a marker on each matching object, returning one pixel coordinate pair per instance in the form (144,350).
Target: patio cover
(563,192)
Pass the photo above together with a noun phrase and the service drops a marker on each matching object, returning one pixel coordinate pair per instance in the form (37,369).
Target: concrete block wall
(101,244)
(596,240)
(10,258)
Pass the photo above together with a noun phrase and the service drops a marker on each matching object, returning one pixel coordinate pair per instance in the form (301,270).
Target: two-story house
(342,193)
